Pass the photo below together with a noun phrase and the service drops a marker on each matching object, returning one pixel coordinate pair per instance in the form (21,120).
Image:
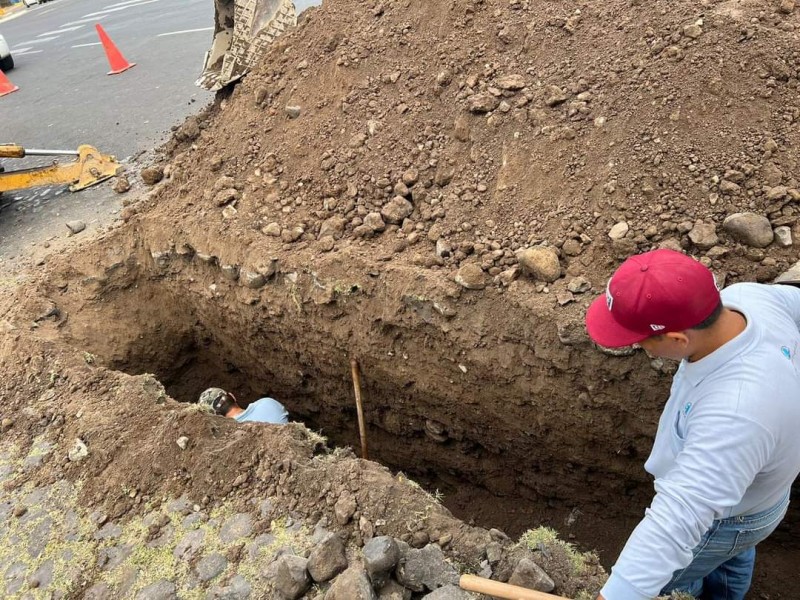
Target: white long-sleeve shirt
(727,442)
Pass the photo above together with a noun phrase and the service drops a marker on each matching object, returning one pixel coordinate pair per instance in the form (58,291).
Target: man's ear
(678,337)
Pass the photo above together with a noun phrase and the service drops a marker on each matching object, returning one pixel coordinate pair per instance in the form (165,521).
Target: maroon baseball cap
(652,293)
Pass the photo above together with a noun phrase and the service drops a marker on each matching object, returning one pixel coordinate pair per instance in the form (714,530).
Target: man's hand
(600,597)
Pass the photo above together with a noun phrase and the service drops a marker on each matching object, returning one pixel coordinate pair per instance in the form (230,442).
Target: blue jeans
(723,562)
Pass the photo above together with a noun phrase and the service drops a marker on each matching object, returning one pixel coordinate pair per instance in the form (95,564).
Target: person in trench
(727,450)
(264,410)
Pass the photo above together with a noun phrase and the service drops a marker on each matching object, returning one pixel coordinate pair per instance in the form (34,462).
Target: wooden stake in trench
(473,583)
(362,430)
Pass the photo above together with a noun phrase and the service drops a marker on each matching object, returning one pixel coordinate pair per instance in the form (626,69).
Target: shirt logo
(687,408)
(786,352)
(609,297)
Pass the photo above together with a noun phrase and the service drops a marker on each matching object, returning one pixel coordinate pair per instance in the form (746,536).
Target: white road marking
(110,10)
(83,21)
(86,45)
(185,31)
(36,41)
(18,50)
(122,4)
(25,53)
(59,31)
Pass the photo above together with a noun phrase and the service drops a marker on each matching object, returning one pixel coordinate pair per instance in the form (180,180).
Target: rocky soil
(437,189)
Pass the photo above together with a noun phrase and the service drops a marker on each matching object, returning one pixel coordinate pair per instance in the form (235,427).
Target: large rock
(540,263)
(353,584)
(426,569)
(749,229)
(529,575)
(396,210)
(291,577)
(381,555)
(152,175)
(327,559)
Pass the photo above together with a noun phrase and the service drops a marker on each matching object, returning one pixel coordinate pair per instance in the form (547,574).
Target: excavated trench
(503,451)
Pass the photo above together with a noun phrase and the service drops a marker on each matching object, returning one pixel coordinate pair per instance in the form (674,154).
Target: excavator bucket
(242,31)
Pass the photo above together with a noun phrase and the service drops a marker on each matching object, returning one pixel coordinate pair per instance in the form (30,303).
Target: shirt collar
(696,372)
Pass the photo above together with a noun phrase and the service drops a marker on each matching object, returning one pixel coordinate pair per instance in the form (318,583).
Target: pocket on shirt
(677,438)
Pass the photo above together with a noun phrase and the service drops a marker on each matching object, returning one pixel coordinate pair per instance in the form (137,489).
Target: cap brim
(605,331)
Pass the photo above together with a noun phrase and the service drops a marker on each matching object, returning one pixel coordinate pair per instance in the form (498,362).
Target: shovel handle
(481,585)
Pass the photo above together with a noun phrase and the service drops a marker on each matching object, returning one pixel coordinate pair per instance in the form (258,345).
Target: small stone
(564,298)
(619,231)
(291,578)
(396,210)
(182,442)
(579,285)
(554,95)
(443,248)
(189,131)
(353,584)
(75,226)
(210,566)
(20,510)
(511,82)
(152,175)
(374,221)
(729,187)
(122,185)
(254,280)
(293,112)
(471,277)
(345,508)
(273,230)
(572,247)
(541,263)
(693,31)
(783,236)
(230,272)
(482,103)
(78,452)
(289,236)
(749,229)
(160,590)
(787,6)
(333,227)
(777,193)
(327,244)
(410,177)
(704,235)
(327,559)
(529,575)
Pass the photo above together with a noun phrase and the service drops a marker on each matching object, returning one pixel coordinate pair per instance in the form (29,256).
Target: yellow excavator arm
(90,168)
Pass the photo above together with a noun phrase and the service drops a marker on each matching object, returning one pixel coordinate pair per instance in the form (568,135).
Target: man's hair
(711,319)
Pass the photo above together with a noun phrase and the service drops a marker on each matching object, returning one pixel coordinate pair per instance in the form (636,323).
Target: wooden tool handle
(473,583)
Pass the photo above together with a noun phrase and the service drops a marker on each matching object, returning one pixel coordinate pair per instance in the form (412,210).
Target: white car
(29,3)
(6,61)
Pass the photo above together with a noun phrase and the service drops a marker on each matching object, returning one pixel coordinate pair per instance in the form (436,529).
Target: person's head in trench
(264,410)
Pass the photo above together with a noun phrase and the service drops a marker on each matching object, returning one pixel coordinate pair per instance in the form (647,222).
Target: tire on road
(7,63)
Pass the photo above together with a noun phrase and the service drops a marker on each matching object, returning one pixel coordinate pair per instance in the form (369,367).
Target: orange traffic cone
(6,87)
(115,59)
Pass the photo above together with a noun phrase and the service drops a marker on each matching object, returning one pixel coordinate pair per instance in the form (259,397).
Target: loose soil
(329,208)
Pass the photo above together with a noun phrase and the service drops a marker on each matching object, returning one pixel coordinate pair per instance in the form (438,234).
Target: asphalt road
(66,97)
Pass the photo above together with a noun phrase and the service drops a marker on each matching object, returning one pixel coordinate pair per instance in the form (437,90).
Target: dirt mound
(434,189)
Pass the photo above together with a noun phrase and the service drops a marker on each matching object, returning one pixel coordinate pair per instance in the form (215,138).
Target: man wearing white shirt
(726,451)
